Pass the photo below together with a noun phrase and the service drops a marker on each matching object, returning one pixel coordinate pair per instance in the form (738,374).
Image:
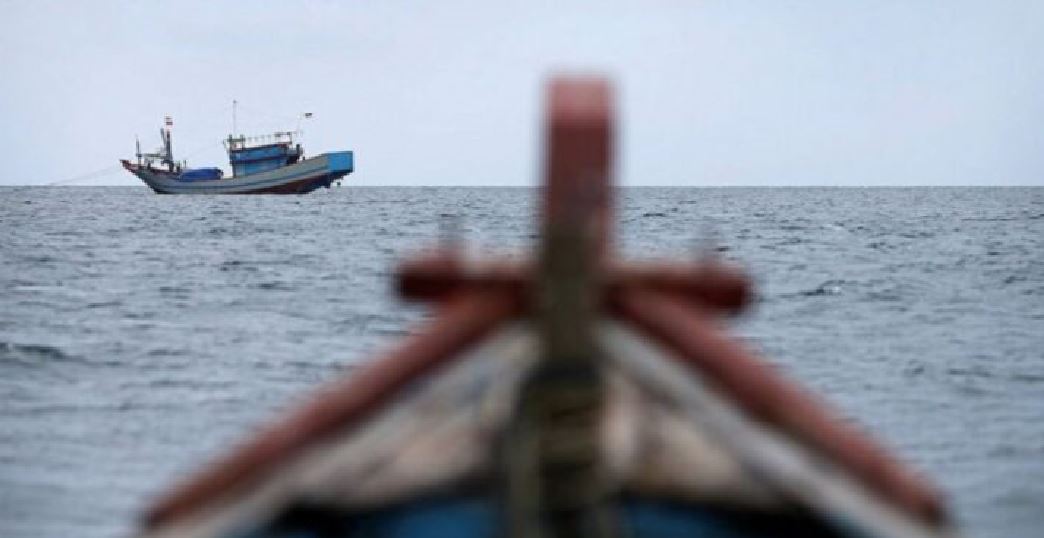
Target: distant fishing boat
(569,395)
(272,164)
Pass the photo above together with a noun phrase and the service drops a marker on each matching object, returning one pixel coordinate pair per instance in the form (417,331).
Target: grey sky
(449,93)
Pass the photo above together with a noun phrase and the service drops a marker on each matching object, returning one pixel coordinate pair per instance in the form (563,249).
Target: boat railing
(233,143)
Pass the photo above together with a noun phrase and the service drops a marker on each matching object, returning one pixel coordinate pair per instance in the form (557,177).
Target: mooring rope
(103,172)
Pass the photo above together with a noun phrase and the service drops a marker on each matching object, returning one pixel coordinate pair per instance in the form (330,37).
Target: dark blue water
(142,334)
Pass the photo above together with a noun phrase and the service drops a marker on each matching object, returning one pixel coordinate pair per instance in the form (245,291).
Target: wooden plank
(459,324)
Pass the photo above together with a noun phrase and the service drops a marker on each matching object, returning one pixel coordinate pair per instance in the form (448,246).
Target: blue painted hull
(481,517)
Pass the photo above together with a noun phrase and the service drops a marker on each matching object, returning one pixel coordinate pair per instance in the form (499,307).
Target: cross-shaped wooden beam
(443,275)
(671,304)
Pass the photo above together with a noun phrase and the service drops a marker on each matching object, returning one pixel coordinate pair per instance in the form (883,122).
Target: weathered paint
(765,395)
(348,401)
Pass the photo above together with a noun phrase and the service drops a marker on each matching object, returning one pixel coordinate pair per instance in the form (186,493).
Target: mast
(168,157)
(304,116)
(234,103)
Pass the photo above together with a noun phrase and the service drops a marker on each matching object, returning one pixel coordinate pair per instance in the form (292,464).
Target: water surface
(140,335)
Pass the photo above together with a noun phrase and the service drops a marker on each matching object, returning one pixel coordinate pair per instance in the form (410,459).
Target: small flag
(308,114)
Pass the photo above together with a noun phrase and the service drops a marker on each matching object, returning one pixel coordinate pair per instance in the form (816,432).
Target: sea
(142,335)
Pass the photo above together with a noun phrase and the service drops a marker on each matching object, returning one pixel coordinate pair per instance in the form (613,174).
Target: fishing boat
(565,394)
(272,164)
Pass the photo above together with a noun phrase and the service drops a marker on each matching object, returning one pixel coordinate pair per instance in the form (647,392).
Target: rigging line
(267,115)
(199,149)
(103,172)
(112,170)
(281,119)
(204,124)
(196,131)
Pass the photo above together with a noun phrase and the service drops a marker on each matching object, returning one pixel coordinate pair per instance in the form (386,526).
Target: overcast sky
(449,93)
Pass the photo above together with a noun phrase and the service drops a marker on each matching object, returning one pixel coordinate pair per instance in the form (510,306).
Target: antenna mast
(234,103)
(168,122)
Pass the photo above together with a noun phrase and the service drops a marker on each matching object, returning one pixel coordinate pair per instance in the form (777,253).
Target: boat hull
(297,178)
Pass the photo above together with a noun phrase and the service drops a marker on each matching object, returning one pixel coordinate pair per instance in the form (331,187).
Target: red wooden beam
(579,146)
(442,276)
(767,396)
(342,404)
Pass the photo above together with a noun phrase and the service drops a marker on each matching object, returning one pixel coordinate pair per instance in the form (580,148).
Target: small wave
(104,304)
(914,369)
(276,285)
(1028,378)
(969,372)
(238,265)
(888,295)
(41,258)
(989,219)
(167,352)
(387,331)
(830,287)
(916,234)
(30,352)
(35,410)
(37,355)
(182,383)
(311,365)
(654,214)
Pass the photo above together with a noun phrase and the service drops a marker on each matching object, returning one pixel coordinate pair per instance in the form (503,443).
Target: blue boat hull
(482,517)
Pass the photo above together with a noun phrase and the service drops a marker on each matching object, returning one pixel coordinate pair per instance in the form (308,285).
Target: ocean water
(140,335)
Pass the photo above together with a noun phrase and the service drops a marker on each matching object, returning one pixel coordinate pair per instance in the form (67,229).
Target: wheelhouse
(274,151)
